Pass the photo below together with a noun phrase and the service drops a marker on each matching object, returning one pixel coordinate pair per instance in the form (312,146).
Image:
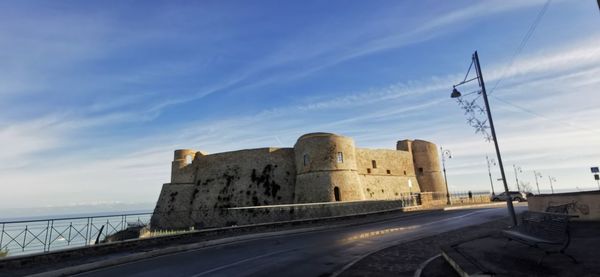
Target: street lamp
(457,94)
(492,162)
(517,169)
(537,174)
(550,178)
(446,154)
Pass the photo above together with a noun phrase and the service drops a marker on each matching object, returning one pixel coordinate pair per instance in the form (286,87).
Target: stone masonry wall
(232,179)
(389,178)
(207,190)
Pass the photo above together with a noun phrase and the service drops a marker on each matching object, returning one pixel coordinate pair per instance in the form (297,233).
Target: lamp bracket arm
(466,81)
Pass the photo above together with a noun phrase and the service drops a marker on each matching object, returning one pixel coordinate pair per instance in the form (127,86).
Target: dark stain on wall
(265,179)
(172,196)
(170,204)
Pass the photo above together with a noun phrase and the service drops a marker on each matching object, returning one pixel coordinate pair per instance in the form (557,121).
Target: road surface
(317,253)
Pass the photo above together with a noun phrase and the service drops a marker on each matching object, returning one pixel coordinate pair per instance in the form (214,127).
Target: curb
(194,246)
(477,206)
(425,264)
(16,262)
(170,250)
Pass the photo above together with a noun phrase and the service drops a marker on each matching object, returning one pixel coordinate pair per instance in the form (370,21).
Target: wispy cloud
(102,148)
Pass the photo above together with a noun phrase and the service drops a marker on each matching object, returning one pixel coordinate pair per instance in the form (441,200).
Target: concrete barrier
(586,204)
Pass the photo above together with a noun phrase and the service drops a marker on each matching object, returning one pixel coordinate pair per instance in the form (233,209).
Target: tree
(525,187)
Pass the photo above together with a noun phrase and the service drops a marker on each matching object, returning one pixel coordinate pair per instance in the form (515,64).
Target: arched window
(336,194)
(305,159)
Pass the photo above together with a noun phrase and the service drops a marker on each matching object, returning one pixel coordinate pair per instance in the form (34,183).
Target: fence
(26,237)
(34,236)
(463,197)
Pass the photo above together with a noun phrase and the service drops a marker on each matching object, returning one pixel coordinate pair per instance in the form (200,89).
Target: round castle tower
(427,164)
(181,159)
(326,169)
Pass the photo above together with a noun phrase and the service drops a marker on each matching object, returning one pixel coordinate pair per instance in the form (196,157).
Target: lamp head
(455,93)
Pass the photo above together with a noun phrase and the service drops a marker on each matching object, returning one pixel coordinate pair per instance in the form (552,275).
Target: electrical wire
(522,45)
(543,116)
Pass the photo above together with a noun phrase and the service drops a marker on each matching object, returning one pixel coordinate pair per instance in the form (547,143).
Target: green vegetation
(3,253)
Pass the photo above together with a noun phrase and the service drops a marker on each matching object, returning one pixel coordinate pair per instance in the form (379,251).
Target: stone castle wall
(321,168)
(389,178)
(213,183)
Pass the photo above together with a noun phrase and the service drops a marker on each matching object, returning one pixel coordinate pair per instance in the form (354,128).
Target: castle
(321,167)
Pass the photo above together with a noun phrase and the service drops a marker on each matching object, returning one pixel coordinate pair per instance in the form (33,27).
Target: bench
(548,232)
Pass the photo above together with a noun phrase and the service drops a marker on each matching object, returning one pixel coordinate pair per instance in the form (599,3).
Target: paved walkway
(484,245)
(403,259)
(489,254)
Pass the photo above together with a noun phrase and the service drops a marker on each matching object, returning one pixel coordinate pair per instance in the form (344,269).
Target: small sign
(596,177)
(595,169)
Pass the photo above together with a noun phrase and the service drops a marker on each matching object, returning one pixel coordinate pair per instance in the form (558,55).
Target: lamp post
(446,154)
(550,178)
(517,168)
(492,162)
(537,174)
(456,94)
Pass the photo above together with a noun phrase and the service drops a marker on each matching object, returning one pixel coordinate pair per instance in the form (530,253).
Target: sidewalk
(490,255)
(482,246)
(405,258)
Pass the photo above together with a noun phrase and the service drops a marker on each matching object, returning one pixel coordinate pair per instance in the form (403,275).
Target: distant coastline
(67,211)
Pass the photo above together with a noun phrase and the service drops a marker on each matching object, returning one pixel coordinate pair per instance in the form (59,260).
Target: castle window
(340,157)
(404,172)
(305,159)
(188,159)
(336,194)
(368,170)
(389,171)
(374,164)
(420,170)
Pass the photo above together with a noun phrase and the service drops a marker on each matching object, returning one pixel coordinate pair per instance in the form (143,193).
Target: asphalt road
(316,253)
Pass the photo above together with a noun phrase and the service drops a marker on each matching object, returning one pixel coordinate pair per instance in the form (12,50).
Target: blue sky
(95,96)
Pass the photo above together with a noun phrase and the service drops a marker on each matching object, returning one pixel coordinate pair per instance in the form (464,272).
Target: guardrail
(31,236)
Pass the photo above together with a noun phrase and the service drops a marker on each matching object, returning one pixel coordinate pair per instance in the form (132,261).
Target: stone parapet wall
(181,219)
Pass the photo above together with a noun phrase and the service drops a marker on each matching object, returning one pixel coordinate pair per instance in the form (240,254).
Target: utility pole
(446,153)
(456,94)
(537,174)
(551,179)
(509,203)
(516,167)
(492,161)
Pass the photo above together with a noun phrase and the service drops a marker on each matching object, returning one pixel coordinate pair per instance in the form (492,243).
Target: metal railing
(31,236)
(461,197)
(35,236)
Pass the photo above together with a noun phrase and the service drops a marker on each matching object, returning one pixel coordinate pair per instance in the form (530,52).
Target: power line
(523,43)
(544,117)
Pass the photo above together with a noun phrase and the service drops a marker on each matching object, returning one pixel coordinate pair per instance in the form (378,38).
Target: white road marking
(239,262)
